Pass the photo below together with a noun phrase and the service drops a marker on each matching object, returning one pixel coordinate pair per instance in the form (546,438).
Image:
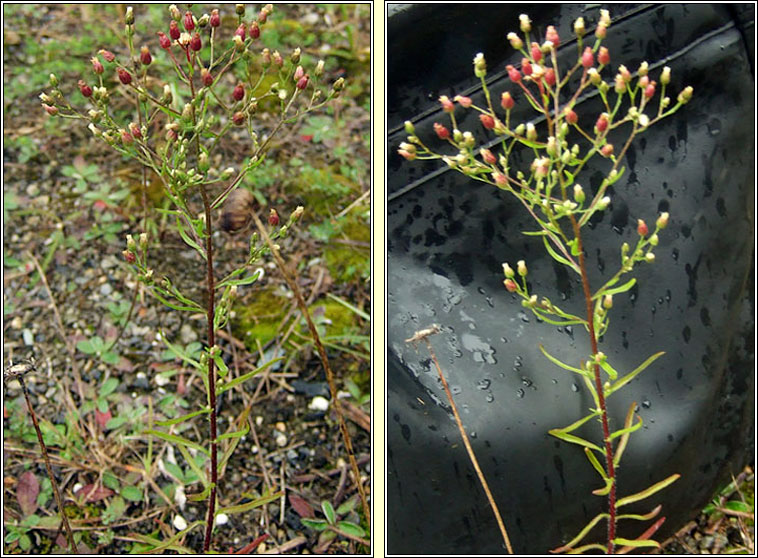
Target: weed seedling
(558,143)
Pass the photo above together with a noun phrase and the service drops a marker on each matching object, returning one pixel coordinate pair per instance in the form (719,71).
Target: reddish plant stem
(610,469)
(211,368)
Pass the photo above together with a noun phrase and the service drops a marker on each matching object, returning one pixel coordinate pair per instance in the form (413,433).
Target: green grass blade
(595,463)
(570,438)
(236,381)
(350,307)
(583,533)
(263,500)
(648,516)
(624,437)
(191,462)
(182,418)
(561,364)
(620,541)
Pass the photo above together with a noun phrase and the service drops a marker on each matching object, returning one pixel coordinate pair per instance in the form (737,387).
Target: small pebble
(187,334)
(319,403)
(222,519)
(258,420)
(180,524)
(28,337)
(281,427)
(106,289)
(281,439)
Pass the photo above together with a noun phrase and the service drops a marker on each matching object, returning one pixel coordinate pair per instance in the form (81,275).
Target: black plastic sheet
(448,236)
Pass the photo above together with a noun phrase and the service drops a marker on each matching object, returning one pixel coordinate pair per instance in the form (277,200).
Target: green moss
(259,319)
(347,254)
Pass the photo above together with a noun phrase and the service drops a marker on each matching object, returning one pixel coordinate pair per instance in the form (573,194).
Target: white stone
(180,524)
(319,403)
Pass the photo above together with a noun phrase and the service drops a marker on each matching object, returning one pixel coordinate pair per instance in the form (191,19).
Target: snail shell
(237,210)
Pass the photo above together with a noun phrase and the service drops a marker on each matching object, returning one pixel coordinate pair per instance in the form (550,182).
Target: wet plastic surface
(448,236)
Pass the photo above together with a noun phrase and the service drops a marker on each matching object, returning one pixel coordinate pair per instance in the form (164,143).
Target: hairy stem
(210,286)
(610,469)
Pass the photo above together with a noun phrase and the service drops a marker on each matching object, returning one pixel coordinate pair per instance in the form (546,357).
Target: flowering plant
(561,141)
(220,83)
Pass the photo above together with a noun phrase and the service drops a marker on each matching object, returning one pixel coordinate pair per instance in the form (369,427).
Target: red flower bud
(465,102)
(487,121)
(239,92)
(129,256)
(126,137)
(607,150)
(650,90)
(51,110)
(263,16)
(195,43)
(571,116)
(255,30)
(588,58)
(550,77)
(173,30)
(164,40)
(145,57)
(447,104)
(241,31)
(238,118)
(215,19)
(552,35)
(603,56)
(442,132)
(602,123)
(273,217)
(526,67)
(488,156)
(85,89)
(189,22)
(206,77)
(510,285)
(641,227)
(124,76)
(299,72)
(643,82)
(506,101)
(134,130)
(97,66)
(302,82)
(171,135)
(513,73)
(600,32)
(107,55)
(536,52)
(500,179)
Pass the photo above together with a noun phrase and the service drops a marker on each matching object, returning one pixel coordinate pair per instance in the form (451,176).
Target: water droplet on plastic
(484,384)
(489,302)
(520,393)
(714,125)
(455,390)
(574,388)
(569,331)
(526,381)
(675,254)
(668,295)
(503,339)
(646,403)
(660,300)
(472,434)
(524,318)
(555,381)
(652,309)
(490,398)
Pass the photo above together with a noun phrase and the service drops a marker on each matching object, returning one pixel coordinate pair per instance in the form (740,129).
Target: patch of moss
(259,319)
(348,261)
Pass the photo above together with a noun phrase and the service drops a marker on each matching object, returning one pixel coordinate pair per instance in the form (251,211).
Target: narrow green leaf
(328,510)
(583,533)
(236,381)
(595,463)
(570,438)
(629,430)
(648,516)
(223,369)
(736,505)
(351,528)
(174,439)
(249,280)
(182,418)
(617,290)
(621,382)
(263,500)
(169,543)
(189,241)
(556,256)
(237,434)
(605,490)
(620,541)
(561,364)
(193,465)
(179,352)
(648,491)
(624,437)
(350,307)
(534,233)
(200,496)
(574,425)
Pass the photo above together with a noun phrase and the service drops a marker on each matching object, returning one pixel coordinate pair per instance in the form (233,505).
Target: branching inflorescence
(559,205)
(218,84)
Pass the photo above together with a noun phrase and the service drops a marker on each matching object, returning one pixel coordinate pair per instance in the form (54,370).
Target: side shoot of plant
(549,190)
